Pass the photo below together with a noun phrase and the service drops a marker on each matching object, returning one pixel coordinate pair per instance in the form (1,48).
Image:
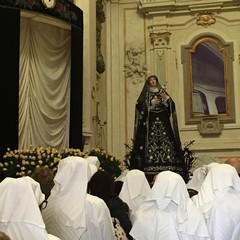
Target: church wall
(132,55)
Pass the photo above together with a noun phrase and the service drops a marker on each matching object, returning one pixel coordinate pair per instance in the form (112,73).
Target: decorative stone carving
(135,67)
(210,126)
(206,19)
(160,54)
(100,19)
(160,40)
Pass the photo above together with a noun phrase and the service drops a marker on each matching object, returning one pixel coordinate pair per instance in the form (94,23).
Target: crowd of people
(85,204)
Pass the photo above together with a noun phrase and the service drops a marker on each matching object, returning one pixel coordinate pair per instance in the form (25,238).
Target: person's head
(101,185)
(4,236)
(169,185)
(44,176)
(26,194)
(152,81)
(94,160)
(235,162)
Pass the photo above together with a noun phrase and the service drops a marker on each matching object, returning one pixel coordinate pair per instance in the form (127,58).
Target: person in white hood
(219,200)
(20,213)
(134,190)
(168,213)
(199,175)
(72,214)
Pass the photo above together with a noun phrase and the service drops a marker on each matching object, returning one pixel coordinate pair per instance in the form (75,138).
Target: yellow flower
(25,159)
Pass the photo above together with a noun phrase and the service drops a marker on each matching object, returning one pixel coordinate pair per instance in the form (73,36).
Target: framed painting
(208,79)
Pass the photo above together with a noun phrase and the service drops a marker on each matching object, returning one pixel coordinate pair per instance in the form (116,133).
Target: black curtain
(76,137)
(9,78)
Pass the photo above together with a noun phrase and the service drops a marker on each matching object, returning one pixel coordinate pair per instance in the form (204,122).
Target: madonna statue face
(152,81)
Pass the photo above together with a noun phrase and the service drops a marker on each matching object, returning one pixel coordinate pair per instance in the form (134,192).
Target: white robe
(168,213)
(72,214)
(20,215)
(199,175)
(134,190)
(98,221)
(219,200)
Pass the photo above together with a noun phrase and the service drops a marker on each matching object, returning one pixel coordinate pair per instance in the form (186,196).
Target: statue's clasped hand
(163,95)
(155,100)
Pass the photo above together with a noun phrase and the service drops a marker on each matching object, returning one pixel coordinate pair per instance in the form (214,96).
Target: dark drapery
(9,78)
(76,138)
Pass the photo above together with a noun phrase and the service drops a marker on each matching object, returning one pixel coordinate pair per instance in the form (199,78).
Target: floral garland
(22,162)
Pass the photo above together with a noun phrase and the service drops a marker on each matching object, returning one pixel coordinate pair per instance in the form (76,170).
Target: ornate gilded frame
(226,49)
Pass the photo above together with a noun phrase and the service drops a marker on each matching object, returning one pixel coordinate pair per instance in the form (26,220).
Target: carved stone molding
(179,7)
(135,68)
(160,54)
(160,40)
(100,19)
(205,19)
(210,126)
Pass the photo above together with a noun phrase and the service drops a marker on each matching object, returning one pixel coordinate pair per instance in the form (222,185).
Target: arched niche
(208,79)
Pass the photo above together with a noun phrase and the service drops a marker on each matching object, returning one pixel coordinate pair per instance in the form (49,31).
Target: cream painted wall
(130,55)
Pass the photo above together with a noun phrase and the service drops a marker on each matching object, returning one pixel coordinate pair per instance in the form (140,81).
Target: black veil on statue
(156,141)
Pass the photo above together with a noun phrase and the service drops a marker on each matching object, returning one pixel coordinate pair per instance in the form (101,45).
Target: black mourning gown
(157,144)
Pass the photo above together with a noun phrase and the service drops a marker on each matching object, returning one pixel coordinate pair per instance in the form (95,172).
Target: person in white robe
(199,175)
(134,190)
(94,164)
(122,176)
(168,213)
(219,200)
(94,160)
(72,214)
(20,215)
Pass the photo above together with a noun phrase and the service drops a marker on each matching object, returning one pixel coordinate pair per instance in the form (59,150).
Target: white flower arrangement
(22,162)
